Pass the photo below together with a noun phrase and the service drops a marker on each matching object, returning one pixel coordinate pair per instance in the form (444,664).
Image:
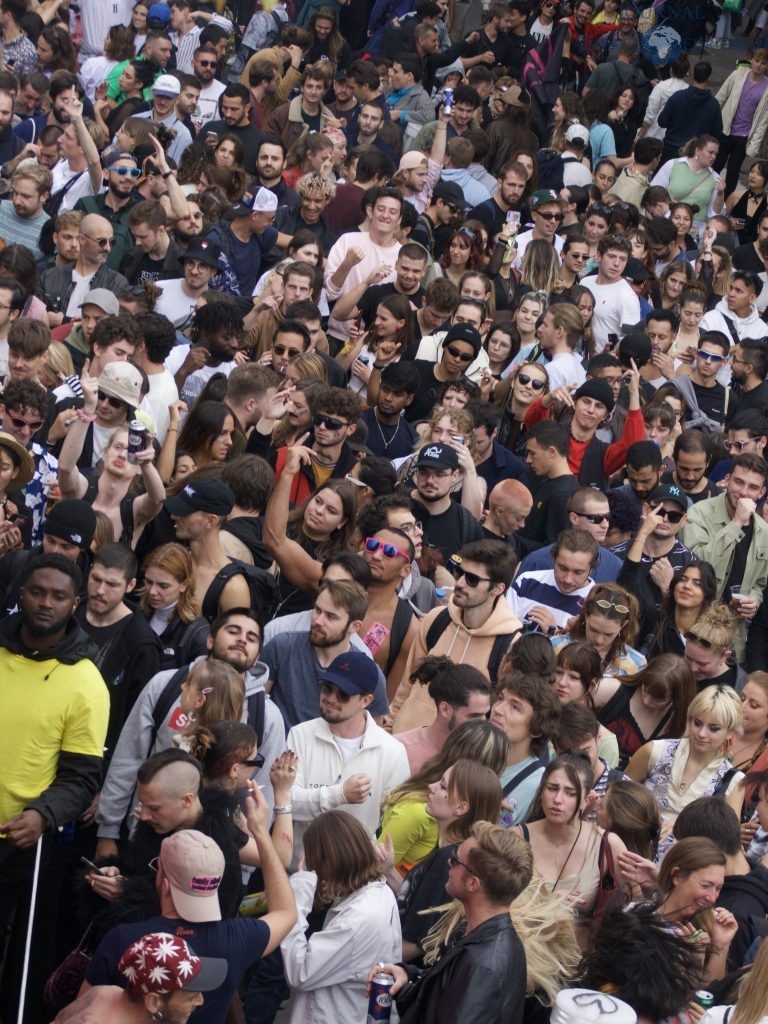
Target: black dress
(749,232)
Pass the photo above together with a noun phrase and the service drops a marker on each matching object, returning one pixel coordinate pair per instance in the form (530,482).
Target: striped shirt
(538,588)
(185,49)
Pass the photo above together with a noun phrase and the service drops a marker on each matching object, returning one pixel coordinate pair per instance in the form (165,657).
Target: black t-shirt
(428,393)
(711,400)
(423,889)
(548,517)
(103,636)
(490,215)
(312,121)
(392,442)
(745,258)
(148,270)
(451,529)
(710,491)
(373,296)
(739,563)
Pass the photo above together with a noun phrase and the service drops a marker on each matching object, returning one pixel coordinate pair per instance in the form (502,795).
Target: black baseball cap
(212,496)
(636,270)
(669,492)
(437,456)
(450,192)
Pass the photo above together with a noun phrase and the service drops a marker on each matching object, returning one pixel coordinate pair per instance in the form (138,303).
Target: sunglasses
(253,762)
(114,402)
(473,580)
(581,256)
(354,481)
(537,385)
(454,862)
(468,233)
(463,357)
(549,216)
(706,644)
(738,446)
(329,422)
(709,357)
(281,350)
(606,605)
(388,550)
(19,423)
(131,172)
(593,517)
(338,694)
(103,243)
(207,63)
(673,517)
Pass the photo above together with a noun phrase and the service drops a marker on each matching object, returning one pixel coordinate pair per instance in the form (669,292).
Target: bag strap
(436,629)
(731,329)
(257,704)
(605,861)
(522,775)
(165,702)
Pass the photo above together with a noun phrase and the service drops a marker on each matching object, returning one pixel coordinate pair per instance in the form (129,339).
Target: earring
(157,1016)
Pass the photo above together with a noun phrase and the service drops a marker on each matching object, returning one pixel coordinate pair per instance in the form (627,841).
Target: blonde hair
(717,627)
(540,266)
(723,703)
(310,365)
(58,360)
(750,1005)
(224,703)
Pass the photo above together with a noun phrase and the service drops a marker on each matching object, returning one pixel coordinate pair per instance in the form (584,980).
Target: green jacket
(712,537)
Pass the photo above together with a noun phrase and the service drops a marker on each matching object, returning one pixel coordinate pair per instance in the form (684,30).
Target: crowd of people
(383,522)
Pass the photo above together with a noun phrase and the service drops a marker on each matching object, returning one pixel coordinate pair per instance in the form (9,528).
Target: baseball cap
(104,299)
(576,132)
(341,75)
(466,333)
(122,380)
(587,1006)
(544,195)
(212,496)
(450,192)
(669,492)
(637,346)
(409,161)
(437,456)
(167,85)
(158,15)
(354,673)
(162,963)
(636,270)
(71,520)
(194,865)
(261,201)
(203,250)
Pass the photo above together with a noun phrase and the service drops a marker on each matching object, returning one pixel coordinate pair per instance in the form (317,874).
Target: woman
(299,540)
(133,132)
(16,470)
(111,115)
(692,306)
(384,343)
(474,285)
(651,704)
(527,159)
(118,46)
(681,215)
(638,239)
(526,318)
(326,970)
(306,366)
(747,206)
(567,850)
(678,771)
(467,792)
(138,24)
(405,821)
(207,433)
(329,43)
(269,434)
(672,281)
(56,51)
(597,224)
(623,122)
(630,811)
(691,179)
(463,251)
(609,15)
(576,678)
(170,607)
(608,621)
(691,592)
(309,153)
(709,648)
(513,397)
(541,27)
(540,266)
(715,272)
(229,152)
(18,262)
(501,343)
(750,1006)
(567,108)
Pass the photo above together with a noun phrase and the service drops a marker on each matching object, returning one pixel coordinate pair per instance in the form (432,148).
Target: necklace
(384,440)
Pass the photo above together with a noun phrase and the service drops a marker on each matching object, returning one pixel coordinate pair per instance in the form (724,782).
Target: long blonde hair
(751,1003)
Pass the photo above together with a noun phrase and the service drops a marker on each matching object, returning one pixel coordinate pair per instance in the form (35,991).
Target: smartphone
(91,865)
(457,438)
(613,341)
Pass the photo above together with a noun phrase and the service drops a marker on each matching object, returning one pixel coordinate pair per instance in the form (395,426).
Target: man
(655,553)
(476,628)
(315,191)
(251,480)
(215,338)
(197,512)
(18,51)
(185,35)
(450,525)
(117,397)
(546,454)
(727,532)
(588,510)
(615,302)
(492,214)
(688,113)
(369,122)
(460,694)
(445,356)
(234,103)
(154,255)
(618,68)
(297,660)
(509,505)
(465,103)
(644,468)
(117,202)
(548,598)
(483,974)
(22,219)
(736,315)
(181,296)
(360,780)
(407,99)
(306,112)
(635,178)
(336,412)
(156,718)
(710,395)
(78,173)
(389,432)
(12,299)
(410,268)
(55,711)
(547,216)
(559,333)
(493,462)
(128,650)
(747,432)
(263,82)
(63,289)
(444,204)
(165,92)
(204,67)
(270,163)
(575,174)
(11,146)
(691,456)
(159,337)
(749,388)
(372,171)
(290,339)
(248,235)
(623,38)
(28,344)
(662,241)
(106,339)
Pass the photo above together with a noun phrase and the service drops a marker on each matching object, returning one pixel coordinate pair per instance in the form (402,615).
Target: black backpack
(552,168)
(500,647)
(262,585)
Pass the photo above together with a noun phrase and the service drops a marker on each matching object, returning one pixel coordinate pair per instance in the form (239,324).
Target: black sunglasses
(593,517)
(456,570)
(116,403)
(706,644)
(329,422)
(463,357)
(254,762)
(673,517)
(537,385)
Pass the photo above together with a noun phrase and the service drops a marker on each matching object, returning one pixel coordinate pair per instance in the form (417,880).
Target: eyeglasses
(454,567)
(354,481)
(388,550)
(706,644)
(116,403)
(463,357)
(253,762)
(673,517)
(745,362)
(594,517)
(19,423)
(103,243)
(154,865)
(281,350)
(454,862)
(606,605)
(207,63)
(709,357)
(738,446)
(329,422)
(409,528)
(549,216)
(537,385)
(132,172)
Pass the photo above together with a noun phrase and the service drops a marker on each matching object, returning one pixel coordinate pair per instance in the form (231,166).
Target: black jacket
(78,776)
(12,565)
(480,979)
(746,896)
(171,267)
(56,285)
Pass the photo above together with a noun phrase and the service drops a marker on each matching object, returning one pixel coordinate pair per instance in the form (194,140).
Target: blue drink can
(448,100)
(380,1003)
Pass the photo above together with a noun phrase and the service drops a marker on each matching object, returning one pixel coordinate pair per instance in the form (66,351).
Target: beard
(321,640)
(42,632)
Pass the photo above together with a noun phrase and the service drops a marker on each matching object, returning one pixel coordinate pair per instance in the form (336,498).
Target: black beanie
(72,520)
(598,389)
(464,332)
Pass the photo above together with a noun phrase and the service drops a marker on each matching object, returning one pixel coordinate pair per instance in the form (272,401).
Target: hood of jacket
(753,316)
(74,646)
(501,620)
(256,678)
(700,97)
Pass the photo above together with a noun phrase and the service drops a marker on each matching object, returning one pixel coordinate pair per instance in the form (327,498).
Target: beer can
(137,440)
(380,1003)
(703,998)
(448,100)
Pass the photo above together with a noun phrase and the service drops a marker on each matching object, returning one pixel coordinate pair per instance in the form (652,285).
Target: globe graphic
(661,45)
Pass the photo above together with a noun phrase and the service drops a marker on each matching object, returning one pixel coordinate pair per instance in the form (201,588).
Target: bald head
(510,503)
(96,238)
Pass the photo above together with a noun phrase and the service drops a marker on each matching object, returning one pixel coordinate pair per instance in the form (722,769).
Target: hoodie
(688,113)
(722,319)
(412,705)
(52,730)
(136,744)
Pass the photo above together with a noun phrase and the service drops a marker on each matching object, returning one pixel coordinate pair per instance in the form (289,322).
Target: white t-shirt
(81,289)
(162,393)
(373,256)
(526,237)
(62,173)
(97,18)
(575,173)
(208,105)
(540,31)
(174,303)
(196,381)
(615,304)
(564,368)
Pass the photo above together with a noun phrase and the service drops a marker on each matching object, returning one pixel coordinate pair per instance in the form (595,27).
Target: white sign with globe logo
(661,45)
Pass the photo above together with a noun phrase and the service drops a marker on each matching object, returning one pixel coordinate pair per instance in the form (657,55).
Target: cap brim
(343,683)
(177,505)
(211,975)
(196,908)
(200,259)
(164,92)
(434,464)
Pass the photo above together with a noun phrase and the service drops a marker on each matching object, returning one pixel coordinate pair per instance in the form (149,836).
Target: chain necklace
(384,440)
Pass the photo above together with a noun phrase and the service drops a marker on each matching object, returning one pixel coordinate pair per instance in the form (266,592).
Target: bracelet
(86,417)
(288,809)
(167,174)
(172,430)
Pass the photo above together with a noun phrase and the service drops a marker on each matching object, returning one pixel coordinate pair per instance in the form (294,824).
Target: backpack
(245,51)
(500,647)
(552,168)
(170,694)
(262,585)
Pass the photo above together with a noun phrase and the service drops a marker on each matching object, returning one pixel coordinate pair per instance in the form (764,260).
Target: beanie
(464,332)
(72,520)
(598,389)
